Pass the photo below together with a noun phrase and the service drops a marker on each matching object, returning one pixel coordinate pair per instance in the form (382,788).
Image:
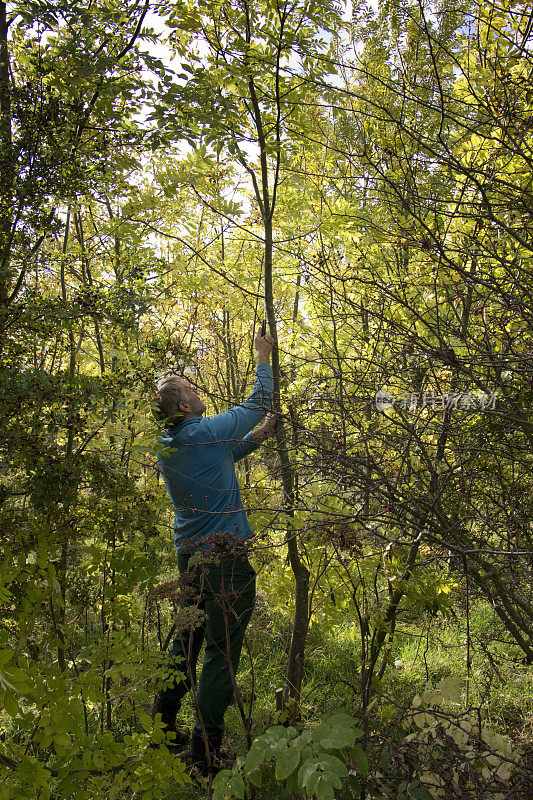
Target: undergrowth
(495,687)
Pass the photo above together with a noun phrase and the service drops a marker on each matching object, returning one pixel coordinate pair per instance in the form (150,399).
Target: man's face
(196,405)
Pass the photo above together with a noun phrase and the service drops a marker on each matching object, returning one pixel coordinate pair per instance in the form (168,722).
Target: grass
(426,649)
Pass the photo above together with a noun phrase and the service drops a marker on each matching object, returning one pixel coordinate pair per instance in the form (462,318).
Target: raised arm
(233,425)
(256,437)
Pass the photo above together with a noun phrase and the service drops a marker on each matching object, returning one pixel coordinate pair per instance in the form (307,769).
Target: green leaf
(61,742)
(361,760)
(255,778)
(324,790)
(286,763)
(236,785)
(421,793)
(15,679)
(275,734)
(10,703)
(146,722)
(220,784)
(334,738)
(340,720)
(312,783)
(336,766)
(306,770)
(385,758)
(331,778)
(451,688)
(292,783)
(255,757)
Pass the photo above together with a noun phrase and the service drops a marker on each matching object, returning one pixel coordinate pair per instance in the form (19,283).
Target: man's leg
(229,601)
(182,659)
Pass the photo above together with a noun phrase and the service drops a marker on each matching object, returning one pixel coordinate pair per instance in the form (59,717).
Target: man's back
(198,467)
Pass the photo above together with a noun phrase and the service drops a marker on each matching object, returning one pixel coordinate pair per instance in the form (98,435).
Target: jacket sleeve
(230,428)
(244,447)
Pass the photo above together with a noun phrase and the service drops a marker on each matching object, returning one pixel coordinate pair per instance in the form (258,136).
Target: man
(198,467)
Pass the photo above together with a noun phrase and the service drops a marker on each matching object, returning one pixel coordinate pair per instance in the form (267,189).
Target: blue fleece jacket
(198,467)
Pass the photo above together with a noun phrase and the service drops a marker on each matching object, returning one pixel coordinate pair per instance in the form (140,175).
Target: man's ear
(184,406)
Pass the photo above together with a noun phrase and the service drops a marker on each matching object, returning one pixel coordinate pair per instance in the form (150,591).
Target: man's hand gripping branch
(268,428)
(263,344)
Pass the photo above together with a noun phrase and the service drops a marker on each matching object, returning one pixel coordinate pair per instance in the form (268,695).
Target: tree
(242,100)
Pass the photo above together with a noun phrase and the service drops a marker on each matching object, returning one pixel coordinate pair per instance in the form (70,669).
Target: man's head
(177,400)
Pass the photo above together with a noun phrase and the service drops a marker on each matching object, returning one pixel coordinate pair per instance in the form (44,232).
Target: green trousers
(225,592)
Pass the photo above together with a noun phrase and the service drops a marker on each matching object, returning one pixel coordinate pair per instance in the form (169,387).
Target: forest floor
(427,649)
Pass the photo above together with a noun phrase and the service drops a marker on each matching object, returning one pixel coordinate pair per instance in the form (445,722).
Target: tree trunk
(266,202)
(301,573)
(6,161)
